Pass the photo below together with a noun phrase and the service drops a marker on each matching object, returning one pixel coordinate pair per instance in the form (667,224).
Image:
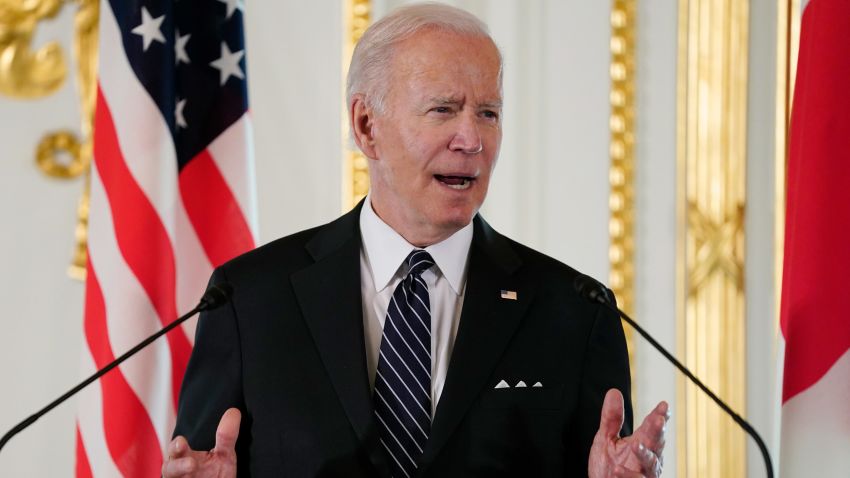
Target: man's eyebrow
(444,100)
(491,104)
(451,100)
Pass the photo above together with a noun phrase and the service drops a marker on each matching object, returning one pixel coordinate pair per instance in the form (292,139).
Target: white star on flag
(180,48)
(149,29)
(228,64)
(178,113)
(232,5)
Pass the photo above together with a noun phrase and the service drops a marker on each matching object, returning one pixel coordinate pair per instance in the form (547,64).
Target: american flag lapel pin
(508,294)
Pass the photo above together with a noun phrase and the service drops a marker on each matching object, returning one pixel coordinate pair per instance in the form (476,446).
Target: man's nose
(467,138)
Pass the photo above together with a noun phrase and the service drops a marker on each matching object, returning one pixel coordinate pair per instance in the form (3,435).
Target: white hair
(369,70)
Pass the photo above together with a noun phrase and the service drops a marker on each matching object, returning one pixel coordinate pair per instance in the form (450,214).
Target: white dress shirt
(382,267)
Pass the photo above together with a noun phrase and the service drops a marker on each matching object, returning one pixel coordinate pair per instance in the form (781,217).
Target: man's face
(436,143)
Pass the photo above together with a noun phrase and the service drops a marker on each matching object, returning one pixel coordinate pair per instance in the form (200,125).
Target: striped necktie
(402,395)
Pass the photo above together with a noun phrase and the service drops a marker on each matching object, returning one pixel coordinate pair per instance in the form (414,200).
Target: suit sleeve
(213,380)
(606,366)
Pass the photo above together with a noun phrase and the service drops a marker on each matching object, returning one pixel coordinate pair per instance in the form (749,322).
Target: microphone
(594,291)
(215,296)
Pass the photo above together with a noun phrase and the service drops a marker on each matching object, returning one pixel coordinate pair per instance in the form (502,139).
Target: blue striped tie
(402,394)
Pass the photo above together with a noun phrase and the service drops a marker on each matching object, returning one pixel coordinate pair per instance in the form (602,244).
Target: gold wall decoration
(25,73)
(28,74)
(622,153)
(357,15)
(711,149)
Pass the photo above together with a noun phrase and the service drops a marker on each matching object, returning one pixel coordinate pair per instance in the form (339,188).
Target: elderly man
(408,337)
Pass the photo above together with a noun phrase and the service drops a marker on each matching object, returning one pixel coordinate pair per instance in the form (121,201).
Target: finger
(650,463)
(611,419)
(621,472)
(174,468)
(178,447)
(663,409)
(652,429)
(659,447)
(228,430)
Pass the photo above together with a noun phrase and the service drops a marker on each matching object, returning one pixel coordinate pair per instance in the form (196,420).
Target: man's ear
(362,123)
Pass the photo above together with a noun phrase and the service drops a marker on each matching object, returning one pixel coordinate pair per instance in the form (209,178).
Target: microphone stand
(215,296)
(601,296)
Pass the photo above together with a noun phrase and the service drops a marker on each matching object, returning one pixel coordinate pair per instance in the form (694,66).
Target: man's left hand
(638,455)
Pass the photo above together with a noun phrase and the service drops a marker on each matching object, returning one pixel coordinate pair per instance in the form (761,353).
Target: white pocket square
(520,384)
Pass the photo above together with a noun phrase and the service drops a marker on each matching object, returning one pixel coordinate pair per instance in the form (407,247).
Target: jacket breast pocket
(527,398)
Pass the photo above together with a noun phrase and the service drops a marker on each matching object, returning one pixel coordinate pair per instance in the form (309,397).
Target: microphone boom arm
(596,292)
(215,296)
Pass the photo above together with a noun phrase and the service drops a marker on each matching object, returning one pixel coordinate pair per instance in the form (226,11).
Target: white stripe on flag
(130,317)
(90,420)
(816,427)
(233,153)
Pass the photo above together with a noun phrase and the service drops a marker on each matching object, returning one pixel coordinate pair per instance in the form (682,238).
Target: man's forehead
(431,45)
(447,67)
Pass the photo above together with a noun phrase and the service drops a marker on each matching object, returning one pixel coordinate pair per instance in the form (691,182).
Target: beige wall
(41,324)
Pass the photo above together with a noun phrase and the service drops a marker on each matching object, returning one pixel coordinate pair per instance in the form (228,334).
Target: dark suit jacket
(288,350)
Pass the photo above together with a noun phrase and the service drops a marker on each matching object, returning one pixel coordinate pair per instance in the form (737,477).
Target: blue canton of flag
(190,57)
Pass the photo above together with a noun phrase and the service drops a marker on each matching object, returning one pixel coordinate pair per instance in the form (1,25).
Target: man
(408,337)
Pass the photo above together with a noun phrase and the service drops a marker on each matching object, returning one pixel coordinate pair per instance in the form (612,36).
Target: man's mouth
(455,182)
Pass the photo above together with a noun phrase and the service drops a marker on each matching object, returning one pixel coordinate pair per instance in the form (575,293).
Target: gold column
(621,173)
(355,173)
(711,149)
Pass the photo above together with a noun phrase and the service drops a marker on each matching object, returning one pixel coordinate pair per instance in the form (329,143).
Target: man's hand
(635,456)
(220,462)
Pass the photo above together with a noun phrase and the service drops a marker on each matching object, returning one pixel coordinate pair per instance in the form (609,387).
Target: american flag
(171,197)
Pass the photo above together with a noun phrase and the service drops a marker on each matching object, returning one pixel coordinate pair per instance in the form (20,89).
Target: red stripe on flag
(213,210)
(141,237)
(130,435)
(82,469)
(817,255)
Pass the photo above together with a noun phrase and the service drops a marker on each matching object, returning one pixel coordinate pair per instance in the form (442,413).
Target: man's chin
(457,221)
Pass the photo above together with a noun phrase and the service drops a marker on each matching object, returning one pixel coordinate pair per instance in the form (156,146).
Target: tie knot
(418,262)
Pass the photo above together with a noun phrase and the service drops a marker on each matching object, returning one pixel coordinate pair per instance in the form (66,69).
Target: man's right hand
(220,462)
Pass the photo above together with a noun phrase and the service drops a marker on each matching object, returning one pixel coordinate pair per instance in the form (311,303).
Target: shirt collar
(386,250)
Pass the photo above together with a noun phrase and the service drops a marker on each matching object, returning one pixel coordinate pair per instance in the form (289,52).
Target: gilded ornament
(25,73)
(48,159)
(32,74)
(711,201)
(622,155)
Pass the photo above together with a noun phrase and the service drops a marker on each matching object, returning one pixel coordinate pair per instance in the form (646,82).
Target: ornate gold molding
(25,73)
(28,74)
(355,169)
(711,147)
(621,173)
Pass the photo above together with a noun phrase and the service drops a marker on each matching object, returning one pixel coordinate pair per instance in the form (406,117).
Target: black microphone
(594,291)
(215,296)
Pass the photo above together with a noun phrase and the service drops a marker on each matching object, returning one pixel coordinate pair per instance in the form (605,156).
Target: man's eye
(441,109)
(490,115)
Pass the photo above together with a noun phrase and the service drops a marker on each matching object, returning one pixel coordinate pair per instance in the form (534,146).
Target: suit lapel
(486,326)
(330,299)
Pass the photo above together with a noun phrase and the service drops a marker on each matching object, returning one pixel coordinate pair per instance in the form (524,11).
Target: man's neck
(420,237)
